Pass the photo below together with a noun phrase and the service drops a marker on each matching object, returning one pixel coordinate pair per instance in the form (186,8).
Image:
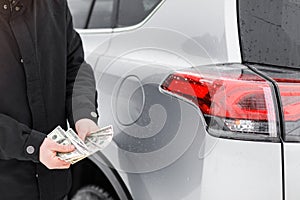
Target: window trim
(89,14)
(122,29)
(115,14)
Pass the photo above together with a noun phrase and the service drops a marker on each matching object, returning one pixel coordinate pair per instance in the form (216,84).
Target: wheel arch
(92,171)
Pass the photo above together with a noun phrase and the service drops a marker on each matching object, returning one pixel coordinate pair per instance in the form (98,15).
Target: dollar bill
(59,136)
(76,141)
(94,142)
(100,138)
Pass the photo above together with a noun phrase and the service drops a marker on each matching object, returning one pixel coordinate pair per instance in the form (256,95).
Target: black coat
(59,86)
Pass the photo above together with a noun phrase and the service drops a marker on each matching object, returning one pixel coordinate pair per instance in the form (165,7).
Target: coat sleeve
(81,94)
(18,141)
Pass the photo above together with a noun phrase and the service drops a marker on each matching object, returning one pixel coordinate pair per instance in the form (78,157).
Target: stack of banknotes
(94,142)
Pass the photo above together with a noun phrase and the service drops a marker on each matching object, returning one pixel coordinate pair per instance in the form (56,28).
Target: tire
(91,192)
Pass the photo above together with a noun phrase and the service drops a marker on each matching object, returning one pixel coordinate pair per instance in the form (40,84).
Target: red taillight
(221,97)
(287,80)
(231,97)
(290,101)
(290,98)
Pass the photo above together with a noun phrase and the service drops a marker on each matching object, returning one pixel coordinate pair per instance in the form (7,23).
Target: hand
(48,151)
(84,127)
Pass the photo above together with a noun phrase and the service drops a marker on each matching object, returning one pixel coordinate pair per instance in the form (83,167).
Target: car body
(201,95)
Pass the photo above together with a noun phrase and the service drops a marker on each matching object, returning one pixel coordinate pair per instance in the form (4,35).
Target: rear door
(270,44)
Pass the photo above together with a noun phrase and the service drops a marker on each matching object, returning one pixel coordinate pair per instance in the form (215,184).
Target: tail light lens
(235,102)
(288,83)
(290,99)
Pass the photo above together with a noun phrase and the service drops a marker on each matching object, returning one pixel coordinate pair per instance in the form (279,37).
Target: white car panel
(292,170)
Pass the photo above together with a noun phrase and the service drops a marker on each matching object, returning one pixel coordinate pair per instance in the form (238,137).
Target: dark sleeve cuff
(32,145)
(85,113)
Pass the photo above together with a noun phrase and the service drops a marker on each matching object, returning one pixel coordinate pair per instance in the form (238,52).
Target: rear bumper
(215,169)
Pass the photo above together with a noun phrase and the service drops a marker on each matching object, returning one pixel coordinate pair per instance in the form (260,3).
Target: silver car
(203,97)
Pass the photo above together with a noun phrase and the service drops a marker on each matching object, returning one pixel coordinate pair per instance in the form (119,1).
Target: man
(43,81)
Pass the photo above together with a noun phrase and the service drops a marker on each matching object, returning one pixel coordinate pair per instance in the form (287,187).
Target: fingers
(82,131)
(48,157)
(82,135)
(57,163)
(53,146)
(84,127)
(53,162)
(61,148)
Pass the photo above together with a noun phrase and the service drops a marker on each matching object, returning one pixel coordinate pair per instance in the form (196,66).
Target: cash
(94,142)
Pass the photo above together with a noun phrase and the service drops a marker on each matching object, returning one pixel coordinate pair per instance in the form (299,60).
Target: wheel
(91,192)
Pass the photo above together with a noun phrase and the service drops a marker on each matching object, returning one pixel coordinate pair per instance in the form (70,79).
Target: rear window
(92,14)
(132,12)
(102,14)
(80,11)
(270,31)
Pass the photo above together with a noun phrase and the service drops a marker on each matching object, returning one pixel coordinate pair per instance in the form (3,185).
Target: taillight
(234,101)
(290,100)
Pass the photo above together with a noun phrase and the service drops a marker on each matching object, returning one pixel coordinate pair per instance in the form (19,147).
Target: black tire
(91,192)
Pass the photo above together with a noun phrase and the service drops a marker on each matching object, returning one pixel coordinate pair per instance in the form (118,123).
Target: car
(203,97)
